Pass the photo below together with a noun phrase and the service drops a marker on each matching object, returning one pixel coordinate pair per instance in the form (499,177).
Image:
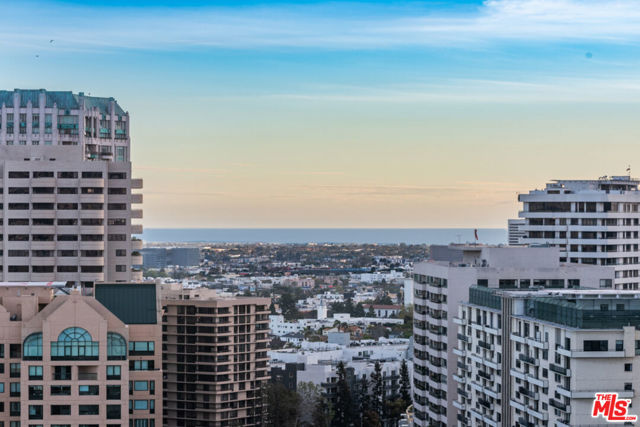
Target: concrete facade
(215,358)
(590,221)
(534,358)
(66,185)
(70,361)
(442,283)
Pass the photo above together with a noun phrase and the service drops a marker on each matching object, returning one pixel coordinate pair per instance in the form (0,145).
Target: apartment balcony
(486,389)
(136,259)
(459,405)
(528,359)
(559,405)
(91,260)
(463,337)
(92,182)
(486,419)
(559,370)
(459,321)
(136,198)
(136,213)
(43,182)
(563,351)
(529,393)
(459,352)
(136,244)
(136,275)
(485,328)
(67,182)
(542,416)
(459,379)
(136,228)
(92,246)
(43,198)
(136,183)
(92,229)
(530,341)
(91,198)
(96,214)
(485,345)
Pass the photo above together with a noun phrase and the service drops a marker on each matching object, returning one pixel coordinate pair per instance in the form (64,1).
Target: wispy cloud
(332,25)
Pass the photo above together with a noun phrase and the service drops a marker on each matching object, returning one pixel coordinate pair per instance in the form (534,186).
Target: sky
(345,114)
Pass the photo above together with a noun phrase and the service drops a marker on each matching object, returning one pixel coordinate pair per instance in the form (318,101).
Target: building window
(74,344)
(35,372)
(60,409)
(116,346)
(14,389)
(113,392)
(32,347)
(35,392)
(619,345)
(88,409)
(113,412)
(62,373)
(141,348)
(628,367)
(88,390)
(14,370)
(60,390)
(35,411)
(113,372)
(596,345)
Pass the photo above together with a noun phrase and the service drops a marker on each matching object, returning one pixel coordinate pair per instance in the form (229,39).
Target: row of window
(65,190)
(60,268)
(64,221)
(65,175)
(66,206)
(66,237)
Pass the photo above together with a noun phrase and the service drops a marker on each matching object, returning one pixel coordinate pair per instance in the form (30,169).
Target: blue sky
(311,113)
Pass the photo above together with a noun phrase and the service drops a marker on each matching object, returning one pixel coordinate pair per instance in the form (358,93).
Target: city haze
(366,114)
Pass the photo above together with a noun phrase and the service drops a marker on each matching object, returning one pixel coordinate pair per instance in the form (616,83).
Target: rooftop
(62,99)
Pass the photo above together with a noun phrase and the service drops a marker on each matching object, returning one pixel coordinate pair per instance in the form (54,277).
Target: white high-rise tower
(590,221)
(67,189)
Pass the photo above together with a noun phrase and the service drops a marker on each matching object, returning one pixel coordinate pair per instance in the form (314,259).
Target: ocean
(437,236)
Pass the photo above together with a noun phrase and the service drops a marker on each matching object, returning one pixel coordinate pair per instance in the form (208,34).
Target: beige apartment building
(66,189)
(67,360)
(214,357)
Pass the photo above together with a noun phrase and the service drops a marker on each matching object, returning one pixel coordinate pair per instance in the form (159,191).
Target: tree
(322,413)
(288,306)
(377,385)
(359,310)
(309,395)
(371,312)
(344,405)
(282,406)
(364,404)
(405,384)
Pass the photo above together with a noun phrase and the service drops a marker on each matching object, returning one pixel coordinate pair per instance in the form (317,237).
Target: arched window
(74,334)
(32,347)
(74,344)
(116,346)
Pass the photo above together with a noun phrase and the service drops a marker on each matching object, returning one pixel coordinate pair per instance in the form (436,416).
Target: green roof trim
(65,100)
(133,303)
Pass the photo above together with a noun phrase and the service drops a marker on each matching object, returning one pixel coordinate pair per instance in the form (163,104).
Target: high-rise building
(69,360)
(515,231)
(535,358)
(67,189)
(591,221)
(215,358)
(442,283)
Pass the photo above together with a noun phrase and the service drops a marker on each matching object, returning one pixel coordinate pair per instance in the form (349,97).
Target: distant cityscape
(100,328)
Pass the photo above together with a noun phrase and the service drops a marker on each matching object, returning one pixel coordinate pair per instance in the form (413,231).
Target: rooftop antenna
(629,171)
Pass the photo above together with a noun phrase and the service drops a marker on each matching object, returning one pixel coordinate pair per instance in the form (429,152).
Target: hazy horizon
(410,114)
